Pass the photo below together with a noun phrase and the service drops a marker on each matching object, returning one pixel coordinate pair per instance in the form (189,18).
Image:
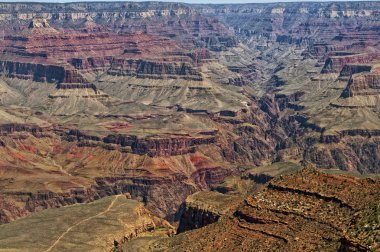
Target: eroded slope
(307,211)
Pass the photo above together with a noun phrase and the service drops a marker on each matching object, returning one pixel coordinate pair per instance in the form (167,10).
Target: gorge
(207,122)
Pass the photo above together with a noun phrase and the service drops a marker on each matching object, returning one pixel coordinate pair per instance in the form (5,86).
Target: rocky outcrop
(47,199)
(77,86)
(352,154)
(13,127)
(158,194)
(36,72)
(362,84)
(217,43)
(161,146)
(287,101)
(306,210)
(9,210)
(336,138)
(20,204)
(335,64)
(39,23)
(153,70)
(204,208)
(339,46)
(349,70)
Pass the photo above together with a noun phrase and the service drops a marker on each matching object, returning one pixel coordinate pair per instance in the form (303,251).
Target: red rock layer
(335,64)
(43,54)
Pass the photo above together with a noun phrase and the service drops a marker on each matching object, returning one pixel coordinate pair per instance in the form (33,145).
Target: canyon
(201,117)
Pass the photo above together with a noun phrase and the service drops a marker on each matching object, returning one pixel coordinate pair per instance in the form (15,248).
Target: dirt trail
(82,221)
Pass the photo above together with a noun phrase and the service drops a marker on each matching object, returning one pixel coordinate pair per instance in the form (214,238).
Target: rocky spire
(41,25)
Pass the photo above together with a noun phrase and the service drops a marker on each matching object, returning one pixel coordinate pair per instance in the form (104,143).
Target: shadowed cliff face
(162,100)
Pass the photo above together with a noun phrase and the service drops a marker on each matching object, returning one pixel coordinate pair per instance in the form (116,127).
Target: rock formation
(163,100)
(302,211)
(43,54)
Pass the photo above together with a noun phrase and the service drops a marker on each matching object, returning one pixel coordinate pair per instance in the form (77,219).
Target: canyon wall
(162,100)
